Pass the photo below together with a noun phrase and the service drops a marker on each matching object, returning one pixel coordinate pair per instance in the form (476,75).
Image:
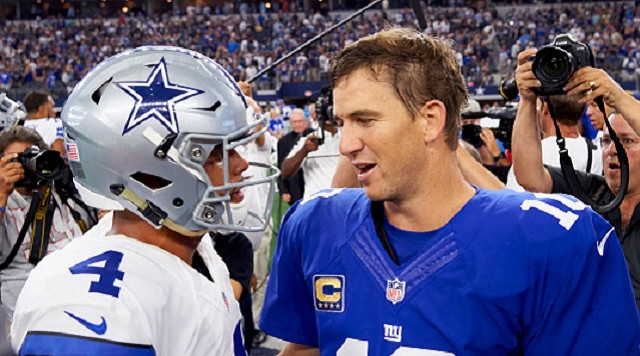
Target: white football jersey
(116,295)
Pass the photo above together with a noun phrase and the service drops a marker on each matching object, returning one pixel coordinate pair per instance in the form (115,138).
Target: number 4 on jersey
(108,273)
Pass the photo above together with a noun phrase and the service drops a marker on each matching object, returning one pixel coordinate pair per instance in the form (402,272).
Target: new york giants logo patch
(395,290)
(328,292)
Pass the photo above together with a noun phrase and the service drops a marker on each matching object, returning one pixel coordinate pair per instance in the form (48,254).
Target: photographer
(60,221)
(317,159)
(586,156)
(585,85)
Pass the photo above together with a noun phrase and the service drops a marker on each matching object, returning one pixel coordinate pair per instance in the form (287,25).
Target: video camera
(553,65)
(39,166)
(506,115)
(324,112)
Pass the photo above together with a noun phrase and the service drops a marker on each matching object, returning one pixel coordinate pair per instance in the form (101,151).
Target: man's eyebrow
(360,113)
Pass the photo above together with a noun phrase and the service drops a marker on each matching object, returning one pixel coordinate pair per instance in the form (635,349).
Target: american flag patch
(72,152)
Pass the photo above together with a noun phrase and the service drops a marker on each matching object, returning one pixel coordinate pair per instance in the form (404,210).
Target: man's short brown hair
(419,67)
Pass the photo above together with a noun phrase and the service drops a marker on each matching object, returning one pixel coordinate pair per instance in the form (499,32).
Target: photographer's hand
(10,173)
(525,78)
(311,143)
(293,163)
(589,83)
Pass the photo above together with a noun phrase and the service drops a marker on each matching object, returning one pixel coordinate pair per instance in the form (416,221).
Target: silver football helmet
(140,126)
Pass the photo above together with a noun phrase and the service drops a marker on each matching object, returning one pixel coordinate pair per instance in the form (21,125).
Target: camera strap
(35,201)
(377,213)
(82,224)
(569,172)
(41,226)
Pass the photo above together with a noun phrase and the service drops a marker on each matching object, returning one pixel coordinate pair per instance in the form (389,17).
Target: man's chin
(613,183)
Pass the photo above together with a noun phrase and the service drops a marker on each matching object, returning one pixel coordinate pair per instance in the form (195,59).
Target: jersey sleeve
(82,329)
(288,311)
(584,303)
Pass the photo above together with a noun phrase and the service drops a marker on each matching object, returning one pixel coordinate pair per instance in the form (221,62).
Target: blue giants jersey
(509,273)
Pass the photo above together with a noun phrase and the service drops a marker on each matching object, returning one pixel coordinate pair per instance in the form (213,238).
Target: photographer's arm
(345,175)
(526,147)
(291,165)
(475,173)
(612,93)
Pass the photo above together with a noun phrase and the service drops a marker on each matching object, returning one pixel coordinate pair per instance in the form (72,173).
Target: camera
(555,63)
(39,166)
(324,112)
(506,116)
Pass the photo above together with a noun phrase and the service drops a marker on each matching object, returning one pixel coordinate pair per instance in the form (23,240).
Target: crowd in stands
(53,53)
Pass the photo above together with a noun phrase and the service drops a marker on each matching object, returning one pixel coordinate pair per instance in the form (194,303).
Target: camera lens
(47,165)
(553,65)
(508,89)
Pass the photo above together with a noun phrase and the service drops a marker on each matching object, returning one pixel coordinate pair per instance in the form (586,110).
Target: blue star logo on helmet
(156,98)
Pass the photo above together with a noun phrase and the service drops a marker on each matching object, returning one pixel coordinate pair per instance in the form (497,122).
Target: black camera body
(39,166)
(555,63)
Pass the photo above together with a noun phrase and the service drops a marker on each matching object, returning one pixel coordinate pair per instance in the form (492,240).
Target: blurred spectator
(292,188)
(486,39)
(41,116)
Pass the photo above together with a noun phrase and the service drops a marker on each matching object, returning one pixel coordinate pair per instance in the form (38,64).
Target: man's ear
(433,115)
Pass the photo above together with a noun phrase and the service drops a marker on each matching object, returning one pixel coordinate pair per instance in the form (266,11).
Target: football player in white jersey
(150,134)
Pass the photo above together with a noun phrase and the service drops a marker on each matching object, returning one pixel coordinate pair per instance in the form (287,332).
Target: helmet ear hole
(150,181)
(97,94)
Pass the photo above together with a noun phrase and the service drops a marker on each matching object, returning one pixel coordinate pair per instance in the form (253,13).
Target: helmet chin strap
(154,214)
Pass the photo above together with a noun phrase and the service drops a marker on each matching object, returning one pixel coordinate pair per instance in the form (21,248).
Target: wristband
(3,209)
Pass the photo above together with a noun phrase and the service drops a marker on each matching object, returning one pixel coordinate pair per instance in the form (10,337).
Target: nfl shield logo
(395,290)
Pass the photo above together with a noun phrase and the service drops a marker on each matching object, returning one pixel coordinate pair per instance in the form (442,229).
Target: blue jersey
(510,273)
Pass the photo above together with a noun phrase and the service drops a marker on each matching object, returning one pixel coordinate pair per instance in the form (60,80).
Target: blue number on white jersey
(108,274)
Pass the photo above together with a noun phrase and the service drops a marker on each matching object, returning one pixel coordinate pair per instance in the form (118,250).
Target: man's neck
(565,131)
(435,202)
(627,207)
(33,117)
(569,131)
(129,224)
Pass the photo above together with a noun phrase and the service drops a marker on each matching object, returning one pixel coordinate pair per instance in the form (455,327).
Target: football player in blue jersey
(151,134)
(419,262)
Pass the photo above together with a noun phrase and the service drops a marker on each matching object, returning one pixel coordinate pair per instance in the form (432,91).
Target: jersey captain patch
(328,292)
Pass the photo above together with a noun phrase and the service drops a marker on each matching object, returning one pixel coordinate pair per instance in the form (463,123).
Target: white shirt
(145,297)
(319,166)
(63,229)
(577,147)
(256,196)
(50,129)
